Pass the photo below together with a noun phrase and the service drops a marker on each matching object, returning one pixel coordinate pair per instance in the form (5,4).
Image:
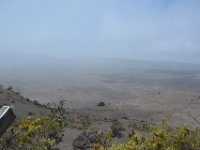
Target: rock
(17,93)
(31,113)
(10,88)
(28,100)
(101,104)
(45,106)
(124,117)
(35,102)
(85,141)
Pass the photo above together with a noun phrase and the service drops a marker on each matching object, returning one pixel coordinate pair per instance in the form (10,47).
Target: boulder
(85,141)
(35,102)
(100,104)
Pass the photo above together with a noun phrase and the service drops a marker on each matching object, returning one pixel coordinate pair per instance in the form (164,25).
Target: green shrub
(78,126)
(41,133)
(35,134)
(164,138)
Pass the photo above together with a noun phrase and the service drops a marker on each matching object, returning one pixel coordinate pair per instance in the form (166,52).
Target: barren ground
(133,90)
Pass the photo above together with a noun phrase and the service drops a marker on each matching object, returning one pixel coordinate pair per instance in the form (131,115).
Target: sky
(165,30)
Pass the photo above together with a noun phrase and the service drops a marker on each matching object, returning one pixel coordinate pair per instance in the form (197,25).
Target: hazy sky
(138,29)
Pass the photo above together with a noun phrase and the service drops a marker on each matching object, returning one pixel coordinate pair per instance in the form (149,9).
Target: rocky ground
(180,108)
(83,124)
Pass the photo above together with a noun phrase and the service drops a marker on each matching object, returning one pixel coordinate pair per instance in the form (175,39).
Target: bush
(78,126)
(41,133)
(10,88)
(164,138)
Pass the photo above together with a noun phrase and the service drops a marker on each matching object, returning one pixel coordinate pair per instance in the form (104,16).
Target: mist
(48,31)
(113,67)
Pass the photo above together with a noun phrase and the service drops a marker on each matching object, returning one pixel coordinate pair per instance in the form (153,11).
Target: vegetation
(78,126)
(105,140)
(44,132)
(164,138)
(10,88)
(41,133)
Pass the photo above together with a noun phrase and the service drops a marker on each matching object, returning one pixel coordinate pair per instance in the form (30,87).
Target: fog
(50,45)
(139,58)
(49,32)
